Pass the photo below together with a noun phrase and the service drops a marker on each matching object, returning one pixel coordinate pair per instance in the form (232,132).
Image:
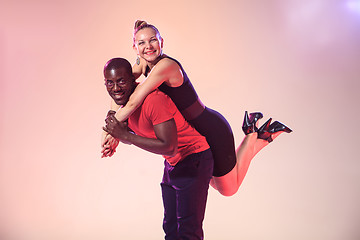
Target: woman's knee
(228,192)
(226,185)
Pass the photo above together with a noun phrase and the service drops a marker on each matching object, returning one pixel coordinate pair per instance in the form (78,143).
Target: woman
(167,74)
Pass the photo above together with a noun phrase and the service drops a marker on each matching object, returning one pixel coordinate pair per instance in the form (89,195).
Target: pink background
(296,61)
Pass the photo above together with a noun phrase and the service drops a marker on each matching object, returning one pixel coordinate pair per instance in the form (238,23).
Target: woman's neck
(152,64)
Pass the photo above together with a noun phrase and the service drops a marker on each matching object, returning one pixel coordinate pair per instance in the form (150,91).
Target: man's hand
(118,130)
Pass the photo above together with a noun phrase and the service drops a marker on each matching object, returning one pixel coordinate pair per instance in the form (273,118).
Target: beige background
(297,61)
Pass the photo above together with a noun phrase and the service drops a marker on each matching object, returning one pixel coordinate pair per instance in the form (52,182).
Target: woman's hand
(109,144)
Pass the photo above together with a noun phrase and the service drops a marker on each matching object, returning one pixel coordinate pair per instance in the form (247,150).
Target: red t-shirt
(158,108)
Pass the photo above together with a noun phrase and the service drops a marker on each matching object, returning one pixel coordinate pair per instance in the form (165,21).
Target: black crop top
(184,95)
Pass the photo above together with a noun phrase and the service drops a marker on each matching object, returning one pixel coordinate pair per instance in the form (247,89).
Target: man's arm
(165,142)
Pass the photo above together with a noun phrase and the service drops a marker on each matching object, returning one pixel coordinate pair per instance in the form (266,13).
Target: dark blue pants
(184,191)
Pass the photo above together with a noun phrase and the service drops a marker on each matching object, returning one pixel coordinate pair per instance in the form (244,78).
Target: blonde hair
(140,24)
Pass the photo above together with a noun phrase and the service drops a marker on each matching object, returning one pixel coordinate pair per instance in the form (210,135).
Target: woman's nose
(148,45)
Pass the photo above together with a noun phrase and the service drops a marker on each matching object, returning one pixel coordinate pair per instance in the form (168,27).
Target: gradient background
(296,61)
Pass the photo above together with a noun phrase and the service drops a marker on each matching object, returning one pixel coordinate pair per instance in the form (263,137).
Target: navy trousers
(184,191)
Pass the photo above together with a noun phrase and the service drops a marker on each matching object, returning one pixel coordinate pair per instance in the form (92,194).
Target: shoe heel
(254,117)
(263,132)
(247,126)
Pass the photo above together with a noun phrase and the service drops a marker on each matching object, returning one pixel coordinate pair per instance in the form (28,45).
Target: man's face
(120,84)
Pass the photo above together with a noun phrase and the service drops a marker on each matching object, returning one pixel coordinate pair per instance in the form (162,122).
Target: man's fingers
(111,112)
(112,118)
(106,130)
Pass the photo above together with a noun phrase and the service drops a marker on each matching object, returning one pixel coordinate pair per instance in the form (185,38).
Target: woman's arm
(137,70)
(109,143)
(162,72)
(114,106)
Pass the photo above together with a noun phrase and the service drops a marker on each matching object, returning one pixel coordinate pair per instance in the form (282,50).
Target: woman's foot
(267,130)
(249,123)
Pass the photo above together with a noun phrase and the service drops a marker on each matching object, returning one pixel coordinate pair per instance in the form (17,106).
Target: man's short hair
(116,63)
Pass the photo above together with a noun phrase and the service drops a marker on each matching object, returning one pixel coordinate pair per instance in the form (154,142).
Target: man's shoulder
(159,102)
(156,95)
(157,108)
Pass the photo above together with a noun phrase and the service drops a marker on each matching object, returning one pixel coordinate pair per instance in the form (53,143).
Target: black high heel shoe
(254,117)
(266,130)
(249,124)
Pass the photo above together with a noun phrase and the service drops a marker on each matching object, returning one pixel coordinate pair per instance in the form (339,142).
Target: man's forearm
(164,143)
(153,145)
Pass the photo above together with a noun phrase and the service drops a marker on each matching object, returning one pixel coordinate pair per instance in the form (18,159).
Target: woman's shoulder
(168,71)
(167,62)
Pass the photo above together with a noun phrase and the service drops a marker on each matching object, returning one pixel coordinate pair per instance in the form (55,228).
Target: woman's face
(148,44)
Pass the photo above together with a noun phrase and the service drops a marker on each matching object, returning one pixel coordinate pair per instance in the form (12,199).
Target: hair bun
(140,23)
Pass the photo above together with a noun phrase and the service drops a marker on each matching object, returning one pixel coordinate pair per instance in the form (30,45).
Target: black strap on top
(184,95)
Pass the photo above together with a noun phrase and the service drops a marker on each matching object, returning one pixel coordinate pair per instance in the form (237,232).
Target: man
(160,128)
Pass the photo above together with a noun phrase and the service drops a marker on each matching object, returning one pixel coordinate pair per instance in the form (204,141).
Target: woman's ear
(162,42)
(135,48)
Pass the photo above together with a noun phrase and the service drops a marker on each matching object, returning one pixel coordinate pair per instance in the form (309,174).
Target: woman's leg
(230,165)
(229,184)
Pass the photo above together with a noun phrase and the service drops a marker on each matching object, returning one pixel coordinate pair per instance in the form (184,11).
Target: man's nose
(116,87)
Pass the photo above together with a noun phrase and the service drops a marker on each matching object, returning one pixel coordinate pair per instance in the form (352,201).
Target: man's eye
(109,84)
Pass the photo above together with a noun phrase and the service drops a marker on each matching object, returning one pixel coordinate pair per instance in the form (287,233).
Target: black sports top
(184,95)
